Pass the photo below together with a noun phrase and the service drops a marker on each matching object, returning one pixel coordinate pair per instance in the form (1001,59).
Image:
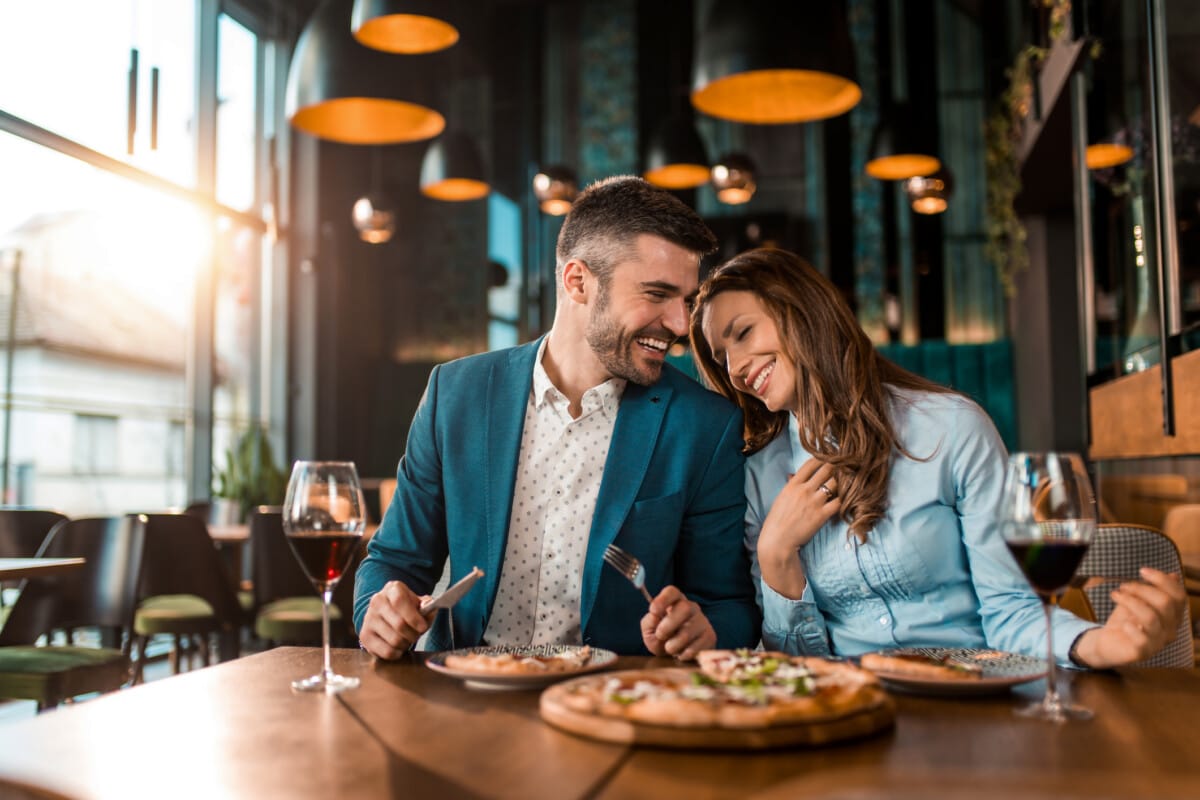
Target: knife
(452,595)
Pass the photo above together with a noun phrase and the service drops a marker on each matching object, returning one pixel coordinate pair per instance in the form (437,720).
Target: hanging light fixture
(675,158)
(895,154)
(733,178)
(403,26)
(452,169)
(374,218)
(930,194)
(373,214)
(768,63)
(339,90)
(555,189)
(1107,154)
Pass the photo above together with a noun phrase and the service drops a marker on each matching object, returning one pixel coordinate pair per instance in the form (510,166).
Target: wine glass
(323,517)
(1048,516)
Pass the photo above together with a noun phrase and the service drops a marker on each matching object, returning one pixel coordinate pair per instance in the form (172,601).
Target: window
(94,445)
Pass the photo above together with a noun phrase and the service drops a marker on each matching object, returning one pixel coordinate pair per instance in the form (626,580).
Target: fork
(628,566)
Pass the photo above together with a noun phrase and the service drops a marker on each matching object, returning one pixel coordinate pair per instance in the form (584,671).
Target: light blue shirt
(933,572)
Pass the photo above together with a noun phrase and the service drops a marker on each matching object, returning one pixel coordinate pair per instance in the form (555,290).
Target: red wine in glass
(324,517)
(1047,516)
(1048,564)
(324,555)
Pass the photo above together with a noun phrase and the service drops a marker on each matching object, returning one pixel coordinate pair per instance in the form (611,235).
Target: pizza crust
(736,690)
(920,666)
(514,664)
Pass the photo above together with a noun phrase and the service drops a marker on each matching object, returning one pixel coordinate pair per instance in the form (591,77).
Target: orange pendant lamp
(733,179)
(409,27)
(895,153)
(768,63)
(343,92)
(555,188)
(675,157)
(1105,155)
(452,169)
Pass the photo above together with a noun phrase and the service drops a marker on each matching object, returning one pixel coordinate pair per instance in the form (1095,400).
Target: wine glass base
(1054,712)
(330,684)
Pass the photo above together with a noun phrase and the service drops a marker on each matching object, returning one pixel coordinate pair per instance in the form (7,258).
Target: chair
(1117,551)
(287,607)
(1182,526)
(101,594)
(200,509)
(184,590)
(1140,499)
(22,531)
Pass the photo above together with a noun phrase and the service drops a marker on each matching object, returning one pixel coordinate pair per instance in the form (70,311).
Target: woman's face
(744,338)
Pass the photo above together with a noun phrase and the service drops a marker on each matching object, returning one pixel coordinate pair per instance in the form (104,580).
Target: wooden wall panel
(1126,414)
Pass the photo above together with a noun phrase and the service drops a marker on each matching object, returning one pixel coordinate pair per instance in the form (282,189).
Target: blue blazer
(672,494)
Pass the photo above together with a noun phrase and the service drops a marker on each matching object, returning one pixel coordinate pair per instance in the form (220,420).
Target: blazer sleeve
(410,545)
(711,564)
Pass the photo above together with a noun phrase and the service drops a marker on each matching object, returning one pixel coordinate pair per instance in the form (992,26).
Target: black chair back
(22,530)
(102,593)
(200,509)
(180,558)
(276,572)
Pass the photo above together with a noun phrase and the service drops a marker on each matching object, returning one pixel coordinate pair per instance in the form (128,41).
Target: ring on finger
(829,493)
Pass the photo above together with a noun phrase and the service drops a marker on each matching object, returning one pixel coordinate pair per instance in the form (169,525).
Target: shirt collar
(606,396)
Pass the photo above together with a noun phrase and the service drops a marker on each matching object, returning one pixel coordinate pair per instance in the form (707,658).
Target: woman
(872,491)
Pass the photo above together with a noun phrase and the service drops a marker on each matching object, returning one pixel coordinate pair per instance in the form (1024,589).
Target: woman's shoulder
(916,410)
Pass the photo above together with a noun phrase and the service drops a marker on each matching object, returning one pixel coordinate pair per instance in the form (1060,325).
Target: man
(528,462)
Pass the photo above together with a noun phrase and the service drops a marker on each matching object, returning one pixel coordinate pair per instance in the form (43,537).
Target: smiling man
(528,462)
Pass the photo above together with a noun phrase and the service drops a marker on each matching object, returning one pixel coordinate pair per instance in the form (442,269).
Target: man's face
(643,309)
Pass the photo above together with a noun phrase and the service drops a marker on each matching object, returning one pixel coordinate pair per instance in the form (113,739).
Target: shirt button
(847,545)
(884,620)
(866,589)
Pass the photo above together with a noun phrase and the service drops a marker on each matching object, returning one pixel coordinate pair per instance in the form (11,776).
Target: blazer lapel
(503,412)
(634,437)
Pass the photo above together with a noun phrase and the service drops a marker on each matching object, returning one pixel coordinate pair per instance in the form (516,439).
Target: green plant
(249,475)
(1005,247)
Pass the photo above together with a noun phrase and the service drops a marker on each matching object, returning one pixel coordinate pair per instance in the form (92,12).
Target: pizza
(732,689)
(517,663)
(939,666)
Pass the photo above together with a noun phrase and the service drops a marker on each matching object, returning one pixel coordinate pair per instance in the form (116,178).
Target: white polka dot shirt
(558,479)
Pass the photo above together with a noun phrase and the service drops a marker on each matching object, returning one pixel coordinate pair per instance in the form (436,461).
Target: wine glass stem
(1051,700)
(326,599)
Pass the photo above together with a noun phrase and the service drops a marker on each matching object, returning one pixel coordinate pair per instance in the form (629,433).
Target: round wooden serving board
(612,729)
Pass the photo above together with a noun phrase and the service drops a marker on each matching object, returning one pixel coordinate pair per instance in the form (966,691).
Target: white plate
(476,680)
(1000,671)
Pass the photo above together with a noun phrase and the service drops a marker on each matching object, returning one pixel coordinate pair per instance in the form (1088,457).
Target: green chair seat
(174,613)
(293,619)
(246,601)
(52,674)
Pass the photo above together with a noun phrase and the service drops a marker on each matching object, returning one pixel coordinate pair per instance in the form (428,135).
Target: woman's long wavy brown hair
(841,381)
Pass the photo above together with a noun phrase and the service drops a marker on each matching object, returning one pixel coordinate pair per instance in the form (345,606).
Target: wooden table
(17,568)
(236,730)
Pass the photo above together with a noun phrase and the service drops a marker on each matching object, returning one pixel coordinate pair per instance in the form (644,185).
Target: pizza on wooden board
(921,665)
(569,660)
(735,689)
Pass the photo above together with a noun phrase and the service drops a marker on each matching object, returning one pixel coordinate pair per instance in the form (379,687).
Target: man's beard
(614,347)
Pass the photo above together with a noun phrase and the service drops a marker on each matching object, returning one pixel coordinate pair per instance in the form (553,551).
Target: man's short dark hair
(608,216)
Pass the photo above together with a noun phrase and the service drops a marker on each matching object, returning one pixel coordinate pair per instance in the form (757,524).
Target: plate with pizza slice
(529,667)
(952,670)
(739,699)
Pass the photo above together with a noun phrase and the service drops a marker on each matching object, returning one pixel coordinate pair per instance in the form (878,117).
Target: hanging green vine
(1005,247)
